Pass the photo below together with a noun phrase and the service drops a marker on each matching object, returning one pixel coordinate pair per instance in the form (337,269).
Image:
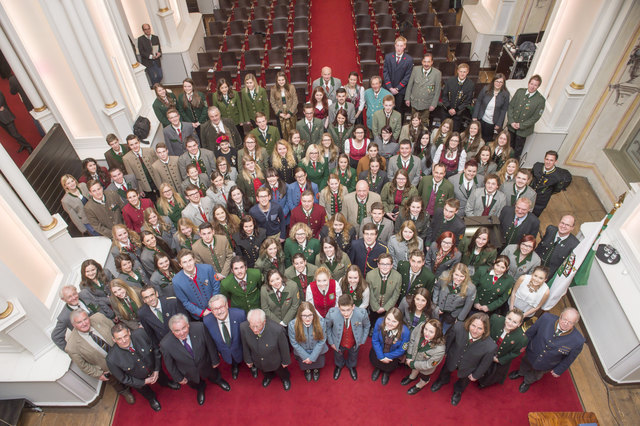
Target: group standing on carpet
(242,241)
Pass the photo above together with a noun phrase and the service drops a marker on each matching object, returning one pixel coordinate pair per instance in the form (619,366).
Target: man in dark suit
(177,132)
(154,315)
(265,346)
(191,356)
(224,327)
(216,126)
(558,243)
(548,180)
(445,219)
(7,122)
(121,183)
(72,302)
(470,350)
(150,52)
(457,95)
(134,361)
(516,221)
(397,71)
(554,343)
(364,252)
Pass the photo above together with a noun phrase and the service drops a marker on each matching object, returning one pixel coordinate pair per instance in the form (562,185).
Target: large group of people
(301,236)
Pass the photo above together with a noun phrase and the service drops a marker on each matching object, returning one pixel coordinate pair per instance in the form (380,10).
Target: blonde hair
(162,201)
(413,243)
(64,179)
(306,159)
(333,149)
(447,278)
(325,194)
(298,226)
(133,236)
(115,302)
(276,161)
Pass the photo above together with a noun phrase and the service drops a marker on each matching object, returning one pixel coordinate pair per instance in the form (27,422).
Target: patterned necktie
(278,294)
(99,341)
(243,285)
(179,134)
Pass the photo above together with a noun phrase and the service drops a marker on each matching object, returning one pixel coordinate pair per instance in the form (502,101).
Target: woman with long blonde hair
(250,179)
(186,234)
(170,203)
(329,150)
(332,196)
(125,302)
(404,242)
(316,167)
(454,294)
(283,160)
(339,228)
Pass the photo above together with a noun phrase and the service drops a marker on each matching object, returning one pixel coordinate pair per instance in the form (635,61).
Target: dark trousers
(388,367)
(373,317)
(530,374)
(213,376)
(460,119)
(13,132)
(147,393)
(487,130)
(154,71)
(401,107)
(517,143)
(445,377)
(281,372)
(496,373)
(119,387)
(346,356)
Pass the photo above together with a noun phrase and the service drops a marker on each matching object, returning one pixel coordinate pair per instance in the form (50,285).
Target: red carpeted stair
(24,124)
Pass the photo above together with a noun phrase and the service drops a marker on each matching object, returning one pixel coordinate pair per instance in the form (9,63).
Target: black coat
(474,358)
(450,98)
(437,227)
(530,226)
(268,351)
(564,248)
(152,325)
(181,364)
(500,109)
(131,369)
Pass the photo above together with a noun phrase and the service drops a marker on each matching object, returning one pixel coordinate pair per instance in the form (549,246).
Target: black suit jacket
(6,116)
(150,322)
(468,358)
(145,48)
(560,252)
(530,226)
(181,364)
(268,351)
(131,369)
(209,134)
(358,255)
(437,227)
(450,98)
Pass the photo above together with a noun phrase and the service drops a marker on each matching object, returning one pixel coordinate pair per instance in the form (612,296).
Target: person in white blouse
(530,292)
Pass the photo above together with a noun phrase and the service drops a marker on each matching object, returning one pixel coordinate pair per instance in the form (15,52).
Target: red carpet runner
(333,42)
(23,122)
(344,401)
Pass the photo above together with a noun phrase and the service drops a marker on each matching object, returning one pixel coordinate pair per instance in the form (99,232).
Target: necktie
(346,323)
(179,134)
(468,186)
(158,314)
(187,346)
(124,186)
(310,125)
(133,351)
(516,221)
(405,165)
(243,285)
(225,334)
(103,344)
(435,187)
(368,250)
(470,341)
(327,88)
(204,216)
(397,59)
(278,294)
(313,163)
(495,279)
(303,281)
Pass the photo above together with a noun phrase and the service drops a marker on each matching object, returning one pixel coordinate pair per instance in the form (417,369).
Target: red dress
(134,218)
(323,303)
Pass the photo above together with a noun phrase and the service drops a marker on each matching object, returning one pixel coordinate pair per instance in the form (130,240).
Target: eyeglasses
(306,316)
(385,264)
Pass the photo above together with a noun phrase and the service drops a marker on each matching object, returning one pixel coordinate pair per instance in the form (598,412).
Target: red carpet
(347,402)
(333,42)
(24,123)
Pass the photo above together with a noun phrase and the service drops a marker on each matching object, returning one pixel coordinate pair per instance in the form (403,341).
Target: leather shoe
(266,381)
(435,387)
(455,398)
(514,374)
(316,375)
(407,380)
(254,372)
(234,372)
(286,384)
(414,390)
(524,387)
(155,404)
(354,373)
(200,397)
(385,379)
(307,375)
(128,396)
(336,373)
(223,384)
(375,374)
(173,385)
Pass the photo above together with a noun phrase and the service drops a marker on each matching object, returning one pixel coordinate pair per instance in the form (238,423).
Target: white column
(167,24)
(26,193)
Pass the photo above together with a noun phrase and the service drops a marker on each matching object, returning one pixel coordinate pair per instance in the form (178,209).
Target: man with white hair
(329,83)
(554,343)
(265,346)
(191,356)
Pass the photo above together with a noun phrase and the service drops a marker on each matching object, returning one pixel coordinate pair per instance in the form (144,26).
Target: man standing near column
(150,52)
(7,122)
(525,109)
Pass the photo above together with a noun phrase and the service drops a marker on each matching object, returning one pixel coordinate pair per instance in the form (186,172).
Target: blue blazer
(358,255)
(397,74)
(397,349)
(335,326)
(233,353)
(196,299)
(293,196)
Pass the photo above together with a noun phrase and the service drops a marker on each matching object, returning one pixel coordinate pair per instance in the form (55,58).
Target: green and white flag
(576,267)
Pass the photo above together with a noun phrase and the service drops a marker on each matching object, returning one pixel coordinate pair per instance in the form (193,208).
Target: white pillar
(481,26)
(25,192)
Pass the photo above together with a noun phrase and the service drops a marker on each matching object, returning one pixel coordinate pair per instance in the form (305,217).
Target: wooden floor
(613,405)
